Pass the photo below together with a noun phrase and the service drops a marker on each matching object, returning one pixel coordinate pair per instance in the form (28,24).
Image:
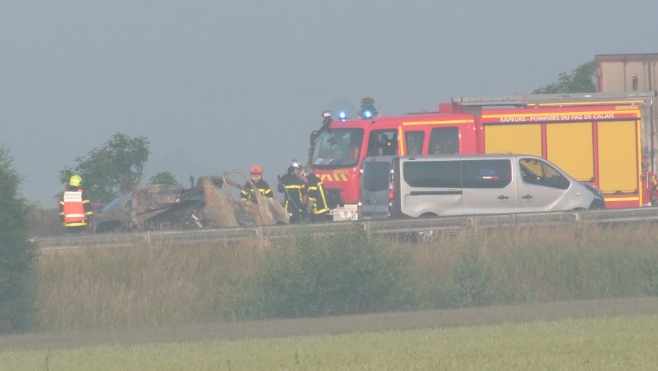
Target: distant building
(633,72)
(627,72)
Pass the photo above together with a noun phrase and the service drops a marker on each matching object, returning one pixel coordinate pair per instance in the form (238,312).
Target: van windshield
(336,148)
(376,176)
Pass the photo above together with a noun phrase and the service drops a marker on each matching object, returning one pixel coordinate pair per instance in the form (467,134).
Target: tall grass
(314,275)
(142,285)
(45,222)
(539,264)
(308,276)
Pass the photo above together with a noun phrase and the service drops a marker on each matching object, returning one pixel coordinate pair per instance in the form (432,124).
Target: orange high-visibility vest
(74,210)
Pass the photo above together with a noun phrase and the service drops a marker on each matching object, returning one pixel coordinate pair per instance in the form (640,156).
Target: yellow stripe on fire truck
(558,114)
(339,177)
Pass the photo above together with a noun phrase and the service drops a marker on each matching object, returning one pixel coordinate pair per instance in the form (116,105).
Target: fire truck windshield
(336,148)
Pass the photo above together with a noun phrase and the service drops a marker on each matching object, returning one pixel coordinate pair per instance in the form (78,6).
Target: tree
(580,81)
(16,251)
(368,104)
(164,177)
(111,170)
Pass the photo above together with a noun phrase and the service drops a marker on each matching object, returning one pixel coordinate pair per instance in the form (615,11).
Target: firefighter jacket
(292,186)
(316,195)
(248,194)
(74,208)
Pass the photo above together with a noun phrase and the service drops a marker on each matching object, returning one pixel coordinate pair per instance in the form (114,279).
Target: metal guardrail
(647,214)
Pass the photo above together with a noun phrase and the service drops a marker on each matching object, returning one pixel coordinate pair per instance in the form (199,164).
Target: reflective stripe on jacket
(316,194)
(264,188)
(293,187)
(74,208)
(72,196)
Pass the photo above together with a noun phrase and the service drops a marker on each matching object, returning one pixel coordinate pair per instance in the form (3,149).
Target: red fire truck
(595,137)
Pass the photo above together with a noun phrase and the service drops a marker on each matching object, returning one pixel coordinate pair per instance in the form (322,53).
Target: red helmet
(256,170)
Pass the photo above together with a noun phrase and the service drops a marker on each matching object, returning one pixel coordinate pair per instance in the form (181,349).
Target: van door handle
(503,197)
(527,197)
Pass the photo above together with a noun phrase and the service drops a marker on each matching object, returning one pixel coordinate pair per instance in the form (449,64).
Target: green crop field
(612,343)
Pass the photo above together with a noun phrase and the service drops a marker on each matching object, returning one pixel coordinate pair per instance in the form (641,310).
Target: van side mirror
(314,137)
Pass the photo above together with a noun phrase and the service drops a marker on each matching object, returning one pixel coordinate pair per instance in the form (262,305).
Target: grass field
(612,343)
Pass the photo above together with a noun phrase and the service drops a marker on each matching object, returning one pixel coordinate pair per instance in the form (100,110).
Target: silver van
(441,185)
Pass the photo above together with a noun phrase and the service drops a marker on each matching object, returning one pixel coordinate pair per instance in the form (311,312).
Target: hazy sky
(217,85)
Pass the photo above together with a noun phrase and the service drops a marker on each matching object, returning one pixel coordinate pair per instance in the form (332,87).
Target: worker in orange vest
(74,209)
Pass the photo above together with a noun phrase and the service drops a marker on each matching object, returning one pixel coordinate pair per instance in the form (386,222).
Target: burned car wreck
(209,204)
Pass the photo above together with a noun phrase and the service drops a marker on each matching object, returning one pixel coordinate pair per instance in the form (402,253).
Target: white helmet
(295,163)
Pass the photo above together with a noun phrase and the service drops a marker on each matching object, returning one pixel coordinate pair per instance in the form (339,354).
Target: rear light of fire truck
(359,204)
(391,192)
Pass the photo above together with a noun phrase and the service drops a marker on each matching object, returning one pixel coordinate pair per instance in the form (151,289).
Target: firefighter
(316,206)
(377,146)
(437,149)
(291,185)
(74,209)
(247,193)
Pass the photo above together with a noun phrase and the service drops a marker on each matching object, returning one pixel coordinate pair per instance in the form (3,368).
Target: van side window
(432,174)
(486,173)
(538,172)
(444,141)
(414,142)
(383,143)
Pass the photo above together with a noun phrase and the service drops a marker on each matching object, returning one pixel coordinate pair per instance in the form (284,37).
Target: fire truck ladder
(557,100)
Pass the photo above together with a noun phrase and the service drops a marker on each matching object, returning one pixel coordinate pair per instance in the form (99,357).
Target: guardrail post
(366,227)
(576,217)
(259,234)
(471,222)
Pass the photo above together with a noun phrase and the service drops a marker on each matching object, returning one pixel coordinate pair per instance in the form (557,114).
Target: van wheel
(428,236)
